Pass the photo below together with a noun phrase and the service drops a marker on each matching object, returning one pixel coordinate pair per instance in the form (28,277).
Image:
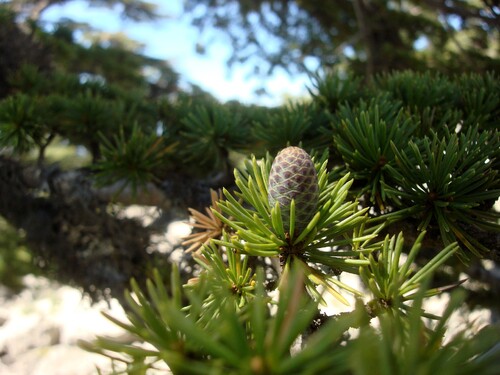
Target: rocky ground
(39,329)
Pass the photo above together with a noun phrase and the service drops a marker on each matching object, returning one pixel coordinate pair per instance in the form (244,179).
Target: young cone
(293,177)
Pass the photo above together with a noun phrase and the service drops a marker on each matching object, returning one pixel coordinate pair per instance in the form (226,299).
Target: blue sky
(174,39)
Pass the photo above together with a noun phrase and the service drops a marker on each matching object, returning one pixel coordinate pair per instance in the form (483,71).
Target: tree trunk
(366,32)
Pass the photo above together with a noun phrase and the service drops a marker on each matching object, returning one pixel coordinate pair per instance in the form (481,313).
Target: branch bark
(73,234)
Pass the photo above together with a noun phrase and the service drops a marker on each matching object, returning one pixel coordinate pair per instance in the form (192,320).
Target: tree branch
(73,234)
(447,8)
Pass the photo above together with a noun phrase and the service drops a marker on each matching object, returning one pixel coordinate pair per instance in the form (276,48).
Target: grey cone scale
(293,176)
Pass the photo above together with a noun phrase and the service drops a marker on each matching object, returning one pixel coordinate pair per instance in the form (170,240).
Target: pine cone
(293,176)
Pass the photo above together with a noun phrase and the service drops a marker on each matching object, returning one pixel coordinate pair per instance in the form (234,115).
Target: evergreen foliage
(407,167)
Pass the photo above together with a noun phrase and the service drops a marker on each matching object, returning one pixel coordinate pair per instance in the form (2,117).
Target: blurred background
(254,52)
(199,55)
